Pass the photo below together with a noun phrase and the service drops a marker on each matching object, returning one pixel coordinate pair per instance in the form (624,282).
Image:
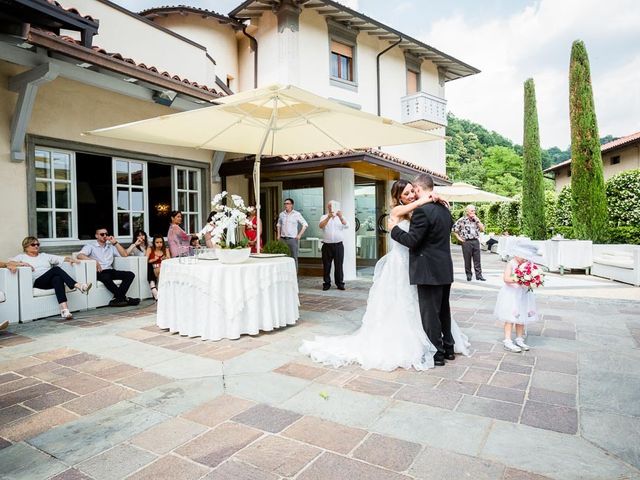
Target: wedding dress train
(391,334)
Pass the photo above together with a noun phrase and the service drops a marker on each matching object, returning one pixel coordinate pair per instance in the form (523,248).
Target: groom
(430,267)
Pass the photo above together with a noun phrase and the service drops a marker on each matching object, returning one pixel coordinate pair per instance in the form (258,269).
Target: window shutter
(341,49)
(412,82)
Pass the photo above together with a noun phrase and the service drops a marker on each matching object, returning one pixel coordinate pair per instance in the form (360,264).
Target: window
(413,64)
(615,160)
(341,61)
(187,197)
(130,196)
(413,80)
(343,64)
(569,172)
(55,198)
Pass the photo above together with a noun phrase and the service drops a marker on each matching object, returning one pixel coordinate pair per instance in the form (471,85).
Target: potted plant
(227,233)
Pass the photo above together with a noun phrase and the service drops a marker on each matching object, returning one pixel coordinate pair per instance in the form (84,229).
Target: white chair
(617,262)
(99,296)
(141,278)
(38,303)
(9,296)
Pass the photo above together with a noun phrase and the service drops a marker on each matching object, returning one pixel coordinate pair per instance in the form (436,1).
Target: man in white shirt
(333,225)
(287,227)
(102,251)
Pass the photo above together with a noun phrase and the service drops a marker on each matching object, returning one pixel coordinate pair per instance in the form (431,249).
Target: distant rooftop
(606,147)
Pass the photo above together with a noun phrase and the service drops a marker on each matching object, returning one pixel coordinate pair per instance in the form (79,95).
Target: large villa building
(70,67)
(618,156)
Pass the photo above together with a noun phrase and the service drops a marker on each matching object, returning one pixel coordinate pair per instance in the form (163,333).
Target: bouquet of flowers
(225,224)
(529,275)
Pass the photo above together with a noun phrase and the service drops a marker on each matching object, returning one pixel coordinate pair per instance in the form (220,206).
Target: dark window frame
(346,36)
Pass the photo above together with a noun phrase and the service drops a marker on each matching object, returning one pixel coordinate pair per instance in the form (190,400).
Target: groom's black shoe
(438,360)
(468,278)
(482,279)
(326,287)
(450,355)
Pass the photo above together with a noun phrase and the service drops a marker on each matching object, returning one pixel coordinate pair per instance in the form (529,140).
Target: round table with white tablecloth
(213,300)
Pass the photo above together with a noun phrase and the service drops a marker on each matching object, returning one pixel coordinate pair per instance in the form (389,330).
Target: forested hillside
(490,161)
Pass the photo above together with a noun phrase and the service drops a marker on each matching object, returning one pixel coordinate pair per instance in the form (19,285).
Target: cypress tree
(533,222)
(588,195)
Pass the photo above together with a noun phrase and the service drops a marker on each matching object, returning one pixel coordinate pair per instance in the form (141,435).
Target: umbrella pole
(256,173)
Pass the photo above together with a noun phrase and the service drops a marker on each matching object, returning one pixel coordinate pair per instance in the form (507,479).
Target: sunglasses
(103,234)
(34,244)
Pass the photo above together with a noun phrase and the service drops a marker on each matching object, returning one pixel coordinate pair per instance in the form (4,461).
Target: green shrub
(623,197)
(625,234)
(277,246)
(492,214)
(566,232)
(563,208)
(550,205)
(509,216)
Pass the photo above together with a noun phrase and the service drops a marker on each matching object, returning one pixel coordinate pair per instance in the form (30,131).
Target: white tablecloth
(212,300)
(561,254)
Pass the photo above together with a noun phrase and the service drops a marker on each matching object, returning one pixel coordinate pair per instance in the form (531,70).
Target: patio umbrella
(274,120)
(464,192)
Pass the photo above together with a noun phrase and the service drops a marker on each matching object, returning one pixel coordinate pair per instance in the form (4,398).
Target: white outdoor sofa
(99,296)
(141,278)
(9,296)
(37,303)
(617,262)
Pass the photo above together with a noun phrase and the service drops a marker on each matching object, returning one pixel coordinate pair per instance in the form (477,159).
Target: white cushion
(615,261)
(3,297)
(39,292)
(101,285)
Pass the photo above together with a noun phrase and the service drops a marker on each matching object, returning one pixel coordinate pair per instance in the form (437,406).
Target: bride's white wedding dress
(391,334)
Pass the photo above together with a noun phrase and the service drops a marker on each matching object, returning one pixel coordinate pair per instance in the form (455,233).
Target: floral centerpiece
(226,228)
(529,275)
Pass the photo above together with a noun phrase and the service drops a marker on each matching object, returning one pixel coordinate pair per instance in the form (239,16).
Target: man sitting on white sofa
(102,251)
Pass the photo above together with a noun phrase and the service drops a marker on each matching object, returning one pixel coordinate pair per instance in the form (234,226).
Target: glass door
(186,197)
(366,231)
(129,197)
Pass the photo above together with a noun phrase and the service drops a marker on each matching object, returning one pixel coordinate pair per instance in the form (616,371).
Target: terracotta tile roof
(606,147)
(370,151)
(71,10)
(166,9)
(118,56)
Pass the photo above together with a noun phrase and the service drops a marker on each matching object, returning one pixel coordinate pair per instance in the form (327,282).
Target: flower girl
(516,304)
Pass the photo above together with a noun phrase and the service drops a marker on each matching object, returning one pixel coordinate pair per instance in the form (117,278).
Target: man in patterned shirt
(467,230)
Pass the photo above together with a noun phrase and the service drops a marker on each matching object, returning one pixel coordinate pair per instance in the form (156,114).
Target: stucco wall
(219,40)
(63,110)
(629,160)
(313,48)
(144,43)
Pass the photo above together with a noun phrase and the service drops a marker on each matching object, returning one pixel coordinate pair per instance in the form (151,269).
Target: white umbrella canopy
(465,192)
(274,120)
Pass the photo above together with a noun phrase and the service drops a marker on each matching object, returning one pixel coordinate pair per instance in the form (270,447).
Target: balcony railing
(424,111)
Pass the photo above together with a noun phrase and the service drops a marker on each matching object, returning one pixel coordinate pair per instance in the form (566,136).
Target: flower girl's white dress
(391,334)
(515,304)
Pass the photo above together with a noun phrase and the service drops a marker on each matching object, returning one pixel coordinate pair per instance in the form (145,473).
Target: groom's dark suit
(431,269)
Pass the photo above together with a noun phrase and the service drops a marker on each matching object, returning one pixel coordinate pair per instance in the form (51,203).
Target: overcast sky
(510,41)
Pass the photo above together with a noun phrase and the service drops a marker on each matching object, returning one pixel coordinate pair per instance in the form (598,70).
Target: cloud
(536,42)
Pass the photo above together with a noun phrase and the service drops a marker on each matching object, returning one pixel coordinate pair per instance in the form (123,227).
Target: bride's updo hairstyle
(396,192)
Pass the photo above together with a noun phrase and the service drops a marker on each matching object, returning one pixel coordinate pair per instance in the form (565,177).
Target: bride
(391,334)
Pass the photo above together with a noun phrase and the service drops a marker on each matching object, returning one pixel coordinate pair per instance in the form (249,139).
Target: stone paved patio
(109,396)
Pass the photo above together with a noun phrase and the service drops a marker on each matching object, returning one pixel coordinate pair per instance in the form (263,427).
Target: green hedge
(623,198)
(563,208)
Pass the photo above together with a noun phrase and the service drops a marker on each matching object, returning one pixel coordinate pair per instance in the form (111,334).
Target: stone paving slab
(566,409)
(23,462)
(116,463)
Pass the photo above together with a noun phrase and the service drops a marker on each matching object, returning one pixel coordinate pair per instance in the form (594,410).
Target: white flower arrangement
(224,227)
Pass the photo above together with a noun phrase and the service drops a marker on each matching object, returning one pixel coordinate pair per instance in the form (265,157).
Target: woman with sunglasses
(47,274)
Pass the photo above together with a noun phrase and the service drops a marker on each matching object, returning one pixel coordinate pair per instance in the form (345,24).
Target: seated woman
(47,274)
(179,240)
(157,252)
(139,245)
(251,229)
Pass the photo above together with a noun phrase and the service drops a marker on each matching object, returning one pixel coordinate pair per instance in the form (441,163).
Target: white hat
(524,249)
